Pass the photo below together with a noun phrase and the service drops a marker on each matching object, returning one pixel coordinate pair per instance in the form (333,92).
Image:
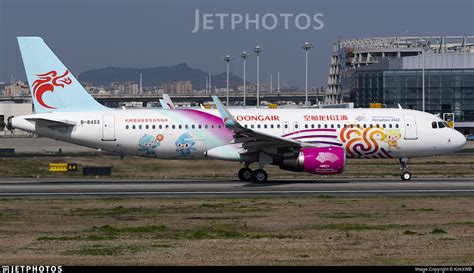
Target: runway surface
(350,187)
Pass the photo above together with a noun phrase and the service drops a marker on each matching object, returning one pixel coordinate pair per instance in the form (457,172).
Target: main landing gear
(406,175)
(257,176)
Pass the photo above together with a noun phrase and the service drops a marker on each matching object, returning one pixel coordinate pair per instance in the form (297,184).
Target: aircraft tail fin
(53,87)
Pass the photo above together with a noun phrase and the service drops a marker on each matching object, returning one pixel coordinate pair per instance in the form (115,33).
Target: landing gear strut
(406,175)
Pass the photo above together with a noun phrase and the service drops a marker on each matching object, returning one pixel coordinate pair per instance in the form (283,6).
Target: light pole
(306,46)
(227,59)
(210,83)
(244,56)
(423,80)
(278,82)
(258,50)
(271,83)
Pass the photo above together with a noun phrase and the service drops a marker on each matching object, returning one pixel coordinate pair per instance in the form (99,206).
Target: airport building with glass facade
(448,78)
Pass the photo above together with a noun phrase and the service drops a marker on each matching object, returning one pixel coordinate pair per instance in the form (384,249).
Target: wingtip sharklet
(226,116)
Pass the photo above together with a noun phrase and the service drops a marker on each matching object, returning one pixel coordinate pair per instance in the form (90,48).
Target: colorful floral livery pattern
(368,142)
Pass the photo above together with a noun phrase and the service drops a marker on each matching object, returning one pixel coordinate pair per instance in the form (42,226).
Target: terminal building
(390,71)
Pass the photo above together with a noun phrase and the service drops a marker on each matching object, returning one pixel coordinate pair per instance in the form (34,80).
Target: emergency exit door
(108,128)
(410,127)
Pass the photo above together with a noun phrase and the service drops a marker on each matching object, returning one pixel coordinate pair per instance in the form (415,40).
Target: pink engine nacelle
(322,161)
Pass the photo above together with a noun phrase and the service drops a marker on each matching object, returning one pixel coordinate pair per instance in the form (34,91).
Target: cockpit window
(441,125)
(434,125)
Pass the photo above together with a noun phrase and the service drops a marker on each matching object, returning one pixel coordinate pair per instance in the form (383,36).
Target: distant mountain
(157,76)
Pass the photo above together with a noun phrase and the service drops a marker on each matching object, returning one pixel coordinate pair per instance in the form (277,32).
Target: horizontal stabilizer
(51,123)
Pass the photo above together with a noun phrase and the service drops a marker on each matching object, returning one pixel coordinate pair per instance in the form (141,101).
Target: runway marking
(232,192)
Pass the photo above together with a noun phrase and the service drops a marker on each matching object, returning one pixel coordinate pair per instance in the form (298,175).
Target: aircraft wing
(253,141)
(51,123)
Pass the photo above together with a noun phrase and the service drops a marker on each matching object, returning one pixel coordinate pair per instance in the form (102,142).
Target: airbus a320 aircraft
(316,141)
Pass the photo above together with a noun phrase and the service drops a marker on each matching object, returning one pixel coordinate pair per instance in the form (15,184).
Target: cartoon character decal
(148,145)
(392,137)
(185,145)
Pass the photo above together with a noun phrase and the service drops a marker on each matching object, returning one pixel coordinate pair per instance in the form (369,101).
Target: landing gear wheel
(245,174)
(406,176)
(259,176)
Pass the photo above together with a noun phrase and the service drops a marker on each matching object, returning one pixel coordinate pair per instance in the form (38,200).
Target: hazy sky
(89,34)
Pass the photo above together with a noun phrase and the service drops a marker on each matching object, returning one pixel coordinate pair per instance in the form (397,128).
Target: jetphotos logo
(31,269)
(48,82)
(257,21)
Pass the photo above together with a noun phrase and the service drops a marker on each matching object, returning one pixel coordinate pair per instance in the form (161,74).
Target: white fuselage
(190,133)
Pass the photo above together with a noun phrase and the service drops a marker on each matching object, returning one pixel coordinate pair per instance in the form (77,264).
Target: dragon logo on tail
(48,82)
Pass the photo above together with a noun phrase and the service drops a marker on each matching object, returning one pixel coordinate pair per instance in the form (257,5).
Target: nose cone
(458,140)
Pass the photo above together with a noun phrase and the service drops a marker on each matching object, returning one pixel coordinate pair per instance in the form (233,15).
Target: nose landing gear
(406,175)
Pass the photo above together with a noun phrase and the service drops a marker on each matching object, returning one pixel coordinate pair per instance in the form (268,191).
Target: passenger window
(186,126)
(160,126)
(167,126)
(206,126)
(265,126)
(371,126)
(345,125)
(139,127)
(278,126)
(396,125)
(296,126)
(179,126)
(286,126)
(153,127)
(173,126)
(383,125)
(212,126)
(126,127)
(271,126)
(133,127)
(312,126)
(146,127)
(219,126)
(246,126)
(352,125)
(319,125)
(199,126)
(258,126)
(390,126)
(441,125)
(193,126)
(339,126)
(332,125)
(325,126)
